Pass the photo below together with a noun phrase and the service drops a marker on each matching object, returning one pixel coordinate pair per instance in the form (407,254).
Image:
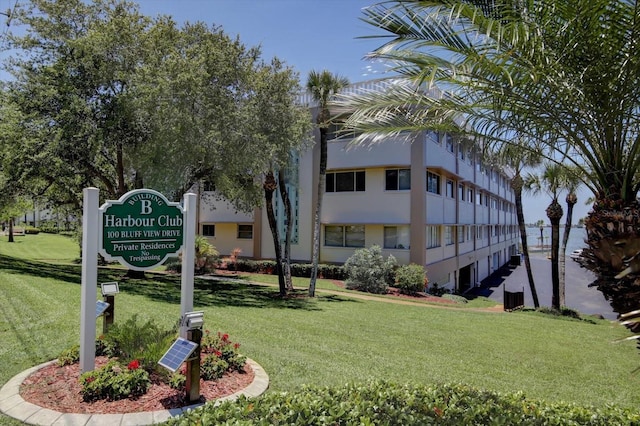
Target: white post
(90,222)
(188,257)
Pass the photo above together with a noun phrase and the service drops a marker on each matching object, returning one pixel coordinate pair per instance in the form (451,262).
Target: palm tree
(550,181)
(570,182)
(562,73)
(269,186)
(322,86)
(518,159)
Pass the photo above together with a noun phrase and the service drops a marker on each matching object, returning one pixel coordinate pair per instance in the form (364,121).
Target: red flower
(225,337)
(217,353)
(90,379)
(134,365)
(236,345)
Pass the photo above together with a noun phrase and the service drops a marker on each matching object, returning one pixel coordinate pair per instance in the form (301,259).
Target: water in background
(577,238)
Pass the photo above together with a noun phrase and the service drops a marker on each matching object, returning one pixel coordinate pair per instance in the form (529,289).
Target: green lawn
(331,339)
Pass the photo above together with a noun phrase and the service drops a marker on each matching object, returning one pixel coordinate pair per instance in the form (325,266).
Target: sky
(307,35)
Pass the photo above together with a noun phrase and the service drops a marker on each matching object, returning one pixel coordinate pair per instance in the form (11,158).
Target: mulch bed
(58,389)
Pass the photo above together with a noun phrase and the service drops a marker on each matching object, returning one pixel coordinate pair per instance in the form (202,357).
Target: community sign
(141,229)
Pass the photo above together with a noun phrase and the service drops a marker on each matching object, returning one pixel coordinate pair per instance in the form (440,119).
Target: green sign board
(141,229)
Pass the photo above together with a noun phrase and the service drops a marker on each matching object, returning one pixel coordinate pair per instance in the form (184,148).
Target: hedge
(382,403)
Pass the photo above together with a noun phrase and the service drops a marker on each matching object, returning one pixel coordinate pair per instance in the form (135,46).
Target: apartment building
(431,202)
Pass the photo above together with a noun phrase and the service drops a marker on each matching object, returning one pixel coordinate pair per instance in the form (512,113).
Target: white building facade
(431,202)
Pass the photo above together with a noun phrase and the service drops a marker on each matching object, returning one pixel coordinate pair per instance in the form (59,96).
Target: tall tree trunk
(122,187)
(516,184)
(269,187)
(11,230)
(316,222)
(554,213)
(571,200)
(286,258)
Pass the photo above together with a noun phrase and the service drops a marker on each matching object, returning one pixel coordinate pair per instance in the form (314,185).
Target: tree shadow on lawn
(217,292)
(67,273)
(166,288)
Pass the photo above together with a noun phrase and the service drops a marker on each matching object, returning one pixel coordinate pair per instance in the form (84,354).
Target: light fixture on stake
(109,290)
(193,322)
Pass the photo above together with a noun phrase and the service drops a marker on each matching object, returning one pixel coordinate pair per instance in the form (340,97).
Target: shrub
(49,227)
(206,256)
(436,290)
(332,272)
(31,230)
(220,346)
(382,403)
(456,298)
(72,355)
(177,380)
(113,381)
(410,279)
(563,312)
(132,339)
(69,356)
(213,368)
(368,271)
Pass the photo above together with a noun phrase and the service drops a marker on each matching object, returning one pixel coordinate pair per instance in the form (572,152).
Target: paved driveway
(578,294)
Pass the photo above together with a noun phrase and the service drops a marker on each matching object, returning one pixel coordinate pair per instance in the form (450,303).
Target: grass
(329,340)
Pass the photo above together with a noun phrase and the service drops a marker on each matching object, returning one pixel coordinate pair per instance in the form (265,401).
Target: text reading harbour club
(113,221)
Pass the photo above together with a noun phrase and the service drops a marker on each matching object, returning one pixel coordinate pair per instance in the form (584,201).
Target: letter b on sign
(145,207)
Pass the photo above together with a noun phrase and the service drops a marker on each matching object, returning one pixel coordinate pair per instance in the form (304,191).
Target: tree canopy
(560,73)
(105,96)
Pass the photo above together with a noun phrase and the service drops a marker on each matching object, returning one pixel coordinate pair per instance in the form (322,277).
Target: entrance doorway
(465,278)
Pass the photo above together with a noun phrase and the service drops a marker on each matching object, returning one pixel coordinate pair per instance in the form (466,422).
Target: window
(470,232)
(433,183)
(434,136)
(245,232)
(461,153)
(397,179)
(448,235)
(470,195)
(345,181)
(449,142)
(396,237)
(450,193)
(433,236)
(494,203)
(479,198)
(461,232)
(461,192)
(209,230)
(344,235)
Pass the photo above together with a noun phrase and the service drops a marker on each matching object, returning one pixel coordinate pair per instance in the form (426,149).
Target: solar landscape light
(110,288)
(193,320)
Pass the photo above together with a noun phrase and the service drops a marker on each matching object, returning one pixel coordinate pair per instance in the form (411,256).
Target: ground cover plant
(333,339)
(383,403)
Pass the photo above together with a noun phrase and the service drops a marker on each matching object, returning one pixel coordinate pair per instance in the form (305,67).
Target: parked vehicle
(576,255)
